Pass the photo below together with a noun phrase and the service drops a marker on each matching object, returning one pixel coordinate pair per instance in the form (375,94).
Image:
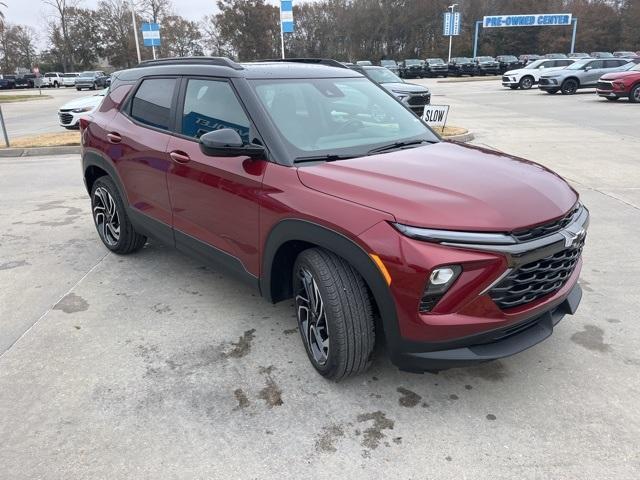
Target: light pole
(135,30)
(452,7)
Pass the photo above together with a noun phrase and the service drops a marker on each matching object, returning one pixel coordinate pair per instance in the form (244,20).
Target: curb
(39,151)
(462,138)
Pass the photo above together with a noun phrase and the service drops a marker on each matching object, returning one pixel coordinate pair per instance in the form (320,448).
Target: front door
(214,199)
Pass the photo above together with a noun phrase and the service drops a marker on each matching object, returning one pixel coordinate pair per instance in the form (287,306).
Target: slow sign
(436,115)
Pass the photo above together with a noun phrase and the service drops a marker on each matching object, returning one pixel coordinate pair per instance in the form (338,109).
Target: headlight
(400,95)
(83,109)
(454,236)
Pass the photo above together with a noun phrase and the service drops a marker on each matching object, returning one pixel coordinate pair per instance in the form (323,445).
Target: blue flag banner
(151,34)
(286,16)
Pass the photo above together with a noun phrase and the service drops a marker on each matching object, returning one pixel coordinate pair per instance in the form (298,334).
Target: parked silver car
(581,74)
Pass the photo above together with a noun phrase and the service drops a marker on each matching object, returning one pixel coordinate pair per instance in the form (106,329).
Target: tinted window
(152,102)
(596,64)
(211,105)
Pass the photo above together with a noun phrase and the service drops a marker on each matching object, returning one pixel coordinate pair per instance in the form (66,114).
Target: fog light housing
(440,280)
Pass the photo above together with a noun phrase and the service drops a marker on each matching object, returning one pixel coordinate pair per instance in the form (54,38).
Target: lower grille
(421,99)
(604,86)
(536,279)
(505,79)
(65,118)
(544,81)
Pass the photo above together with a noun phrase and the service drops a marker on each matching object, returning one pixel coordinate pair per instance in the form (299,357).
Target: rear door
(214,199)
(139,138)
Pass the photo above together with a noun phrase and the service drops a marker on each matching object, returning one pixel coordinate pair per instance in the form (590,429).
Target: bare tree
(61,9)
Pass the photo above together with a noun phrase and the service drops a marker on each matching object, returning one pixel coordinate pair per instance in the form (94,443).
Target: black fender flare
(92,158)
(306,231)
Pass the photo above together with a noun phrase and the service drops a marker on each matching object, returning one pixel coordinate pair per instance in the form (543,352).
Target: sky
(34,12)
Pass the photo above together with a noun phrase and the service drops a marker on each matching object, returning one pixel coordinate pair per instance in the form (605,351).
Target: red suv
(613,86)
(311,182)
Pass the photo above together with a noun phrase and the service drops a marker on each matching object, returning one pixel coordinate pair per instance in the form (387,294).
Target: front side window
(151,104)
(211,105)
(336,116)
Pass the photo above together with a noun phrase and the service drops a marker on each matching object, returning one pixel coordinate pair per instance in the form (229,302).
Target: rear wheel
(613,99)
(634,96)
(552,91)
(569,86)
(513,87)
(334,314)
(526,82)
(111,219)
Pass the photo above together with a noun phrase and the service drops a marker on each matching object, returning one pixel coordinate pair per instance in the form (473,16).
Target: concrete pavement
(152,366)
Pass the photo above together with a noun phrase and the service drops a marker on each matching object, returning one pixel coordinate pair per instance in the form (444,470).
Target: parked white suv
(70,113)
(527,77)
(69,79)
(51,79)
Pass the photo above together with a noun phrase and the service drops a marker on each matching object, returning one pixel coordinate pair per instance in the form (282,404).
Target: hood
(405,87)
(619,75)
(91,101)
(560,72)
(447,186)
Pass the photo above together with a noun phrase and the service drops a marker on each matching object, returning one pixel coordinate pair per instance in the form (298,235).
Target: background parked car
(508,62)
(91,80)
(69,79)
(412,68)
(416,97)
(624,54)
(555,55)
(581,74)
(391,65)
(363,63)
(578,55)
(528,76)
(486,66)
(7,82)
(51,80)
(70,113)
(528,58)
(434,67)
(613,86)
(601,54)
(460,66)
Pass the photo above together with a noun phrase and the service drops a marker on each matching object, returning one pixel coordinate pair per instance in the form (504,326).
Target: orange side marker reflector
(383,269)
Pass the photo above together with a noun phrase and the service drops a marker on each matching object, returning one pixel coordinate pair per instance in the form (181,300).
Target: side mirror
(226,142)
(587,68)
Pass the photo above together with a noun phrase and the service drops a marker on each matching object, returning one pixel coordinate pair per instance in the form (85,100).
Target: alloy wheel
(105,214)
(312,317)
(635,94)
(526,83)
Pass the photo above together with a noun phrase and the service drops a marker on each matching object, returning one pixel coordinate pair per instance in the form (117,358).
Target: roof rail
(196,60)
(329,62)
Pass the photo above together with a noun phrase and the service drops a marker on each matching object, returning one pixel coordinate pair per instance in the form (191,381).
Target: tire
(78,88)
(514,87)
(634,94)
(329,286)
(613,99)
(526,82)
(94,86)
(569,86)
(106,202)
(55,85)
(553,91)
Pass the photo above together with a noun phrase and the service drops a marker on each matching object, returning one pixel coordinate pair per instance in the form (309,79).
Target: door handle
(179,157)
(114,137)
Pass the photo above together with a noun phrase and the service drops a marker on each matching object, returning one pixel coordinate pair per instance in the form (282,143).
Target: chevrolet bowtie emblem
(571,238)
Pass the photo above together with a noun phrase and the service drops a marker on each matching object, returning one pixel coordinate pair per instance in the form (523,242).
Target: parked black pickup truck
(459,66)
(508,62)
(434,67)
(412,68)
(486,66)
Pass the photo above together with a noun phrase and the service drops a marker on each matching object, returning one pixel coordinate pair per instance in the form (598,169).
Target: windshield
(69,75)
(485,59)
(602,54)
(461,60)
(337,116)
(382,75)
(413,61)
(435,61)
(363,62)
(87,74)
(632,67)
(388,63)
(579,65)
(536,64)
(508,58)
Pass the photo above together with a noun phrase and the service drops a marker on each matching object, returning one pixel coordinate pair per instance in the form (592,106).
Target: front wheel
(513,87)
(569,87)
(613,99)
(634,96)
(334,314)
(526,83)
(111,219)
(552,91)
(94,86)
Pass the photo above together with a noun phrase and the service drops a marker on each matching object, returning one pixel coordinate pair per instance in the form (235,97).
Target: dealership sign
(436,115)
(451,24)
(532,20)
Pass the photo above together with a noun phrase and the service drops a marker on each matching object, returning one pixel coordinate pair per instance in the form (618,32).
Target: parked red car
(613,86)
(314,184)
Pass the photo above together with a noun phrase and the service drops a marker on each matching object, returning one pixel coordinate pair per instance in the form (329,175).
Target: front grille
(65,118)
(604,86)
(420,99)
(544,81)
(505,79)
(547,228)
(536,279)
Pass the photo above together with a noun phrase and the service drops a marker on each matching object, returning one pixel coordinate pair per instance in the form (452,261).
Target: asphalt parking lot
(152,366)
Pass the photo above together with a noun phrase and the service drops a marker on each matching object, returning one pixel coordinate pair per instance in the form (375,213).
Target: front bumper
(488,346)
(69,119)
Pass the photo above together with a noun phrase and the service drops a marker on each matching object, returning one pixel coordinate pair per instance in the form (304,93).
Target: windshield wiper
(395,145)
(322,158)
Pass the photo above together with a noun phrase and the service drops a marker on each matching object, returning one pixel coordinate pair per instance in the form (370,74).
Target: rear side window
(596,64)
(151,104)
(211,105)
